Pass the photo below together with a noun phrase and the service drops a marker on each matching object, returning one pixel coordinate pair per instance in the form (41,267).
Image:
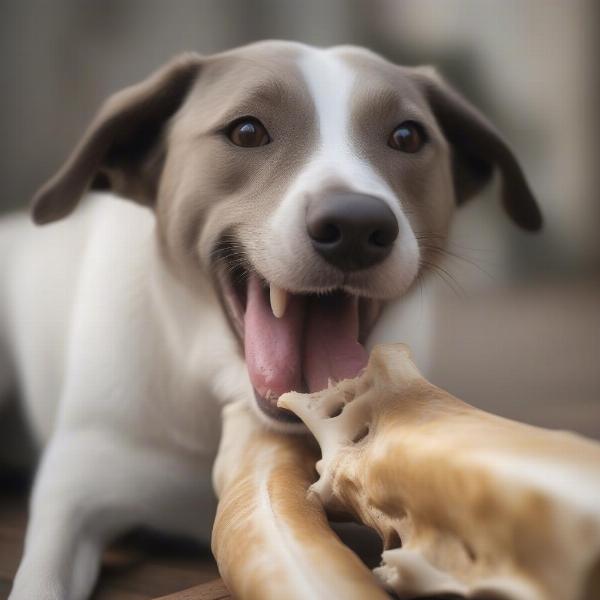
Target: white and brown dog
(281,194)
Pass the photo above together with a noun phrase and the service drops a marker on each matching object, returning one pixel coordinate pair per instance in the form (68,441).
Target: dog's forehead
(347,75)
(361,61)
(264,66)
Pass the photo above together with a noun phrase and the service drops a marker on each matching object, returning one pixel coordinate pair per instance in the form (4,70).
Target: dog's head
(307,182)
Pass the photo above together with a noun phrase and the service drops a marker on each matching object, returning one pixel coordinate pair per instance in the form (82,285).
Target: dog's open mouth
(295,341)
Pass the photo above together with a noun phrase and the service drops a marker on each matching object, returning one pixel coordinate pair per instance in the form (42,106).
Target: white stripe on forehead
(330,82)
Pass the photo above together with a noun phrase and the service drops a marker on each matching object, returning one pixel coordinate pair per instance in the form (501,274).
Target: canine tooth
(279,298)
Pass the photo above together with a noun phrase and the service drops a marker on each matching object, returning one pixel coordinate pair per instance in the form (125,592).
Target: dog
(244,218)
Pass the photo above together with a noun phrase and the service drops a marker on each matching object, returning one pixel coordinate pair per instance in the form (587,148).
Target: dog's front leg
(91,486)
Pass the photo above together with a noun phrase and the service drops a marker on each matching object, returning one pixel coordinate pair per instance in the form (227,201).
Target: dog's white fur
(123,371)
(79,300)
(120,371)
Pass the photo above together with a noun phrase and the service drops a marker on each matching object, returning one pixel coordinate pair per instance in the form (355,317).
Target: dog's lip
(232,302)
(270,408)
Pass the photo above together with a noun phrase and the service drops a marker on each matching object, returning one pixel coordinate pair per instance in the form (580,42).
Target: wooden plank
(213,590)
(106,592)
(154,578)
(13,515)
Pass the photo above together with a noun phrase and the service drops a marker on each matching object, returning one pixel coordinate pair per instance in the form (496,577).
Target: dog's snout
(351,231)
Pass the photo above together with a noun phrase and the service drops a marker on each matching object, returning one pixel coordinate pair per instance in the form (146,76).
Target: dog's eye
(407,137)
(248,132)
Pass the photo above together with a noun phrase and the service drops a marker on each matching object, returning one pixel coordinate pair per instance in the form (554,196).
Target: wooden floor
(140,567)
(530,354)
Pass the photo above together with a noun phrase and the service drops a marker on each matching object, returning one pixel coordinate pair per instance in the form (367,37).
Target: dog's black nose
(351,231)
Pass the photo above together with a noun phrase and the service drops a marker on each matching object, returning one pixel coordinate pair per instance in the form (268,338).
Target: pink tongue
(331,348)
(272,346)
(316,340)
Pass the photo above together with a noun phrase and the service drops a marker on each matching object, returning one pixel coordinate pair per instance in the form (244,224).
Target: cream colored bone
(466,502)
(271,541)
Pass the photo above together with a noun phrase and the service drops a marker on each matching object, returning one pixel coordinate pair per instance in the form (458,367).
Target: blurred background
(516,317)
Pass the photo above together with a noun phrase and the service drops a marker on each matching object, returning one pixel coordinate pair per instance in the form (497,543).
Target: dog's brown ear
(121,149)
(477,148)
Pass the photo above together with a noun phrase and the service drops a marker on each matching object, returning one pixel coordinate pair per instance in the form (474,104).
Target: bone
(465,502)
(271,538)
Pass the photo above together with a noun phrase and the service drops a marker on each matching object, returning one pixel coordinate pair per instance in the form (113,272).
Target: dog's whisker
(446,277)
(453,255)
(451,243)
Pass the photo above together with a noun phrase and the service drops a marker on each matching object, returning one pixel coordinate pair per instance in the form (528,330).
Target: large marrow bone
(271,541)
(465,502)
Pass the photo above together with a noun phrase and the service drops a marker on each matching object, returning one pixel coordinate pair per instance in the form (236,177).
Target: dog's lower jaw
(275,422)
(268,406)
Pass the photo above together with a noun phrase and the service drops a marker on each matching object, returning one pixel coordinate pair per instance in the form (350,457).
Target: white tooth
(279,298)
